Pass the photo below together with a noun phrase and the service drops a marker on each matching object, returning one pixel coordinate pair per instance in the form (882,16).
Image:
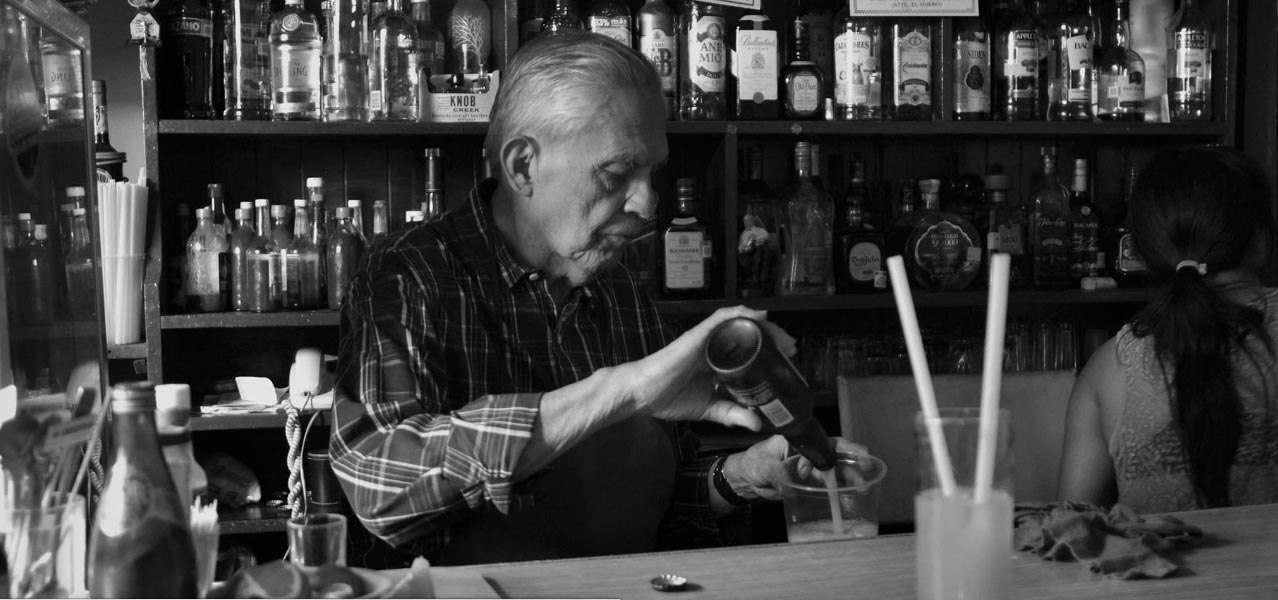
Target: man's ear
(519,163)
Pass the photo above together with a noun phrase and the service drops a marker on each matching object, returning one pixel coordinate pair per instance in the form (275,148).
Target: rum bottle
(820,40)
(686,248)
(703,62)
(943,253)
(344,251)
(469,24)
(432,44)
(1016,61)
(1006,228)
(81,270)
(657,41)
(861,254)
(758,243)
(1189,64)
(1121,74)
(433,201)
(911,73)
(809,232)
(394,92)
(563,17)
(858,89)
(1049,227)
(346,60)
(184,61)
(302,268)
(1073,101)
(756,65)
(246,50)
(207,266)
(610,18)
(971,70)
(243,240)
(802,79)
(295,64)
(1085,256)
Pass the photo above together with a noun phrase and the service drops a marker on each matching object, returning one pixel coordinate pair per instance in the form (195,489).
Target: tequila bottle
(943,253)
(1016,61)
(802,79)
(394,77)
(1006,228)
(610,18)
(1189,64)
(756,64)
(858,89)
(1121,74)
(1049,227)
(246,50)
(295,64)
(911,73)
(1085,257)
(657,41)
(344,251)
(207,268)
(302,268)
(432,44)
(703,62)
(346,60)
(1073,99)
(563,17)
(758,243)
(243,240)
(686,248)
(469,24)
(971,70)
(809,231)
(861,253)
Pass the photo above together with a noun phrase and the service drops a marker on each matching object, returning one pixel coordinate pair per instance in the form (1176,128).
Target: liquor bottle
(703,62)
(295,64)
(243,240)
(172,419)
(1048,53)
(246,51)
(1121,74)
(1016,57)
(469,26)
(657,41)
(344,251)
(281,227)
(263,285)
(381,220)
(756,65)
(302,267)
(532,14)
(318,226)
(1049,227)
(820,38)
(1085,257)
(1073,101)
(433,201)
(1006,227)
(137,536)
(357,218)
(610,18)
(758,242)
(563,17)
(911,73)
(35,274)
(432,44)
(971,70)
(207,266)
(346,60)
(394,92)
(906,218)
(943,253)
(809,231)
(1189,64)
(184,61)
(687,250)
(802,79)
(861,253)
(1129,267)
(858,91)
(63,81)
(81,270)
(101,126)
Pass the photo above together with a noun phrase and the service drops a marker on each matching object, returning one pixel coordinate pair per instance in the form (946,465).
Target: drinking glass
(810,504)
(45,548)
(317,540)
(964,548)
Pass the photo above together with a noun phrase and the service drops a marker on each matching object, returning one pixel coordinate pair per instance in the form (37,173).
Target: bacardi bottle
(1016,61)
(184,62)
(687,248)
(246,51)
(394,77)
(1085,256)
(858,89)
(971,70)
(703,62)
(1049,227)
(802,79)
(657,41)
(809,231)
(469,26)
(295,64)
(1121,74)
(1006,228)
(610,18)
(944,251)
(1189,64)
(1074,35)
(756,65)
(758,243)
(911,73)
(346,60)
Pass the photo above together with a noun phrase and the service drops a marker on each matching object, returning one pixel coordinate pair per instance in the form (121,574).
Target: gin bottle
(943,253)
(858,91)
(911,73)
(432,45)
(207,268)
(344,251)
(393,91)
(346,60)
(246,50)
(657,41)
(703,62)
(1189,64)
(243,240)
(302,270)
(63,81)
(758,242)
(1016,56)
(295,64)
(1121,74)
(971,70)
(1072,100)
(686,248)
(468,29)
(1049,227)
(809,231)
(563,17)
(610,18)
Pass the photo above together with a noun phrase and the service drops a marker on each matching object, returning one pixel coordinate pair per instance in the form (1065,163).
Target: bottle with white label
(858,85)
(1072,98)
(910,82)
(687,251)
(971,70)
(295,64)
(1189,64)
(610,18)
(63,81)
(756,66)
(657,41)
(1121,74)
(802,79)
(703,62)
(1016,61)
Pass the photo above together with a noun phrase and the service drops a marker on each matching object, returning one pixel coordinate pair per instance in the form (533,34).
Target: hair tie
(1192,264)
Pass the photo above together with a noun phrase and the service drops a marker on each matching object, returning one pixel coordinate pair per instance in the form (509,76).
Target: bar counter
(1236,560)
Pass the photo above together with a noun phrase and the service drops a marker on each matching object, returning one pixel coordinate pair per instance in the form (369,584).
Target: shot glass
(816,510)
(964,548)
(45,548)
(318,539)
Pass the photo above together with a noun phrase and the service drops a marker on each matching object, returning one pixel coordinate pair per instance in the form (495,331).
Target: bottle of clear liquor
(1121,74)
(302,270)
(63,81)
(432,44)
(971,70)
(295,64)
(686,248)
(469,24)
(1016,57)
(911,73)
(344,251)
(1074,35)
(394,92)
(610,18)
(1189,64)
(756,65)
(1049,227)
(433,201)
(346,60)
(858,91)
(703,62)
(243,241)
(802,79)
(1006,227)
(207,266)
(944,251)
(563,17)
(861,254)
(809,231)
(1085,256)
(758,242)
(246,50)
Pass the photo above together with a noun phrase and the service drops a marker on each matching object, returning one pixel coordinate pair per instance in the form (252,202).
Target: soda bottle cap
(314,182)
(353,203)
(432,153)
(133,397)
(204,213)
(279,210)
(246,205)
(97,86)
(215,189)
(24,216)
(172,404)
(299,202)
(41,231)
(342,213)
(243,213)
(75,192)
(261,202)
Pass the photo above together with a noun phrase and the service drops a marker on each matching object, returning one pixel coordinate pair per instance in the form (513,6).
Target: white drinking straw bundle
(991,375)
(122,223)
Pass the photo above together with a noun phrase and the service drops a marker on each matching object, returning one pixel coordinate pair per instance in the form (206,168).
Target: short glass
(964,549)
(810,505)
(45,548)
(316,540)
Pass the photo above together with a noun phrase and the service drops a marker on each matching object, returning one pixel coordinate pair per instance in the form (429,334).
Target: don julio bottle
(703,62)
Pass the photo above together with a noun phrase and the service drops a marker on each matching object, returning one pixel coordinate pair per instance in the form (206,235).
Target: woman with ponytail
(1180,410)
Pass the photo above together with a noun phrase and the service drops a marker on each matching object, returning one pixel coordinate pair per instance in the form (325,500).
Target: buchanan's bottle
(858,89)
(1072,100)
(943,252)
(758,243)
(971,70)
(686,248)
(911,73)
(1121,74)
(1049,227)
(246,79)
(1189,64)
(394,78)
(141,544)
(1016,57)
(1085,257)
(468,31)
(344,251)
(184,61)
(809,232)
(756,65)
(346,60)
(745,358)
(657,41)
(610,18)
(703,62)
(295,64)
(802,79)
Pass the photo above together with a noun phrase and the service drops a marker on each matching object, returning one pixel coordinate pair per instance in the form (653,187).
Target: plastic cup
(964,549)
(45,548)
(809,504)
(122,291)
(316,540)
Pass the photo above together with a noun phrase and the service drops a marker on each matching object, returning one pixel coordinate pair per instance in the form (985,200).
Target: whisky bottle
(1049,227)
(1121,74)
(1005,228)
(433,201)
(820,38)
(345,61)
(1073,99)
(943,253)
(563,17)
(861,254)
(610,18)
(295,64)
(971,70)
(657,41)
(911,73)
(809,232)
(802,80)
(469,33)
(758,243)
(1085,257)
(686,248)
(703,62)
(394,92)
(1189,64)
(858,89)
(1016,57)
(432,44)
(756,66)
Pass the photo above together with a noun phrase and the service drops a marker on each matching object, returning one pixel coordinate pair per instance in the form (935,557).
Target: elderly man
(506,391)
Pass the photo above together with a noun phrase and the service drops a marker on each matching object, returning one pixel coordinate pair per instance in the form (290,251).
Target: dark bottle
(433,201)
(532,13)
(703,62)
(81,269)
(1189,64)
(1085,256)
(745,358)
(344,251)
(1016,60)
(971,70)
(1072,98)
(141,544)
(943,253)
(656,24)
(861,254)
(687,250)
(217,204)
(101,129)
(758,242)
(820,38)
(243,240)
(563,17)
(610,18)
(1049,227)
(858,69)
(432,44)
(801,79)
(1006,228)
(910,75)
(906,218)
(1129,267)
(184,61)
(757,67)
(35,274)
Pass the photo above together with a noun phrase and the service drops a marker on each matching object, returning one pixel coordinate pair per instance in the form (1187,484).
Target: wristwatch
(722,486)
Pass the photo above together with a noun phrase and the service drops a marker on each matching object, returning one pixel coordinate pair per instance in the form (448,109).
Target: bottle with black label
(1129,268)
(686,248)
(943,253)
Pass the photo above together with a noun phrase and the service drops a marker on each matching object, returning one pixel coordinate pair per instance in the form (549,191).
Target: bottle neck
(803,166)
(421,11)
(1121,37)
(301,224)
(687,206)
(136,436)
(79,231)
(264,220)
(565,7)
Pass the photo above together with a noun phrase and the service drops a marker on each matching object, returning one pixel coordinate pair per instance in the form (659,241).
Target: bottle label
(820,29)
(1022,53)
(202,28)
(685,260)
(1010,239)
(617,28)
(660,49)
(708,54)
(859,62)
(1129,260)
(755,63)
(1190,54)
(1122,91)
(944,250)
(971,64)
(913,69)
(1078,52)
(776,413)
(805,93)
(60,74)
(294,72)
(99,115)
(865,262)
(1084,235)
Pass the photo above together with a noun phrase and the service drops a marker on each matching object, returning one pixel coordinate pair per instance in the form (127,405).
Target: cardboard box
(460,108)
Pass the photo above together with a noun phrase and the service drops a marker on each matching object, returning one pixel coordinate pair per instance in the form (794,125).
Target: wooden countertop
(1237,560)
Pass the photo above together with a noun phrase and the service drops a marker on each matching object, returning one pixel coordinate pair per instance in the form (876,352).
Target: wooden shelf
(303,318)
(925,299)
(253,518)
(316,128)
(248,421)
(126,351)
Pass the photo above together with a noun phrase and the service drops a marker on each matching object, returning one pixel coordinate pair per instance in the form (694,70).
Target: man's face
(592,191)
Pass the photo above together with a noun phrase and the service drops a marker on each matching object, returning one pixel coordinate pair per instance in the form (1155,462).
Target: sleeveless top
(1150,467)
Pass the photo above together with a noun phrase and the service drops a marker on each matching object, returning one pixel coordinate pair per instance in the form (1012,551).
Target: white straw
(992,374)
(922,376)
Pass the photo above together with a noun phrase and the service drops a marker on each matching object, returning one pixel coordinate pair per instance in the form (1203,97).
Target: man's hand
(757,472)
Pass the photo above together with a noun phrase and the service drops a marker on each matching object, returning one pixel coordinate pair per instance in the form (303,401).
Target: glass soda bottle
(141,543)
(346,60)
(394,78)
(295,64)
(344,251)
(207,267)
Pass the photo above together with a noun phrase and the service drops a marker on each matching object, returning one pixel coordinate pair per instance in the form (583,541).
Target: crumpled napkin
(1119,543)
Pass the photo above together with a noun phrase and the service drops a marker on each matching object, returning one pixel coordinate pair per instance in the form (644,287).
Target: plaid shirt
(447,345)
